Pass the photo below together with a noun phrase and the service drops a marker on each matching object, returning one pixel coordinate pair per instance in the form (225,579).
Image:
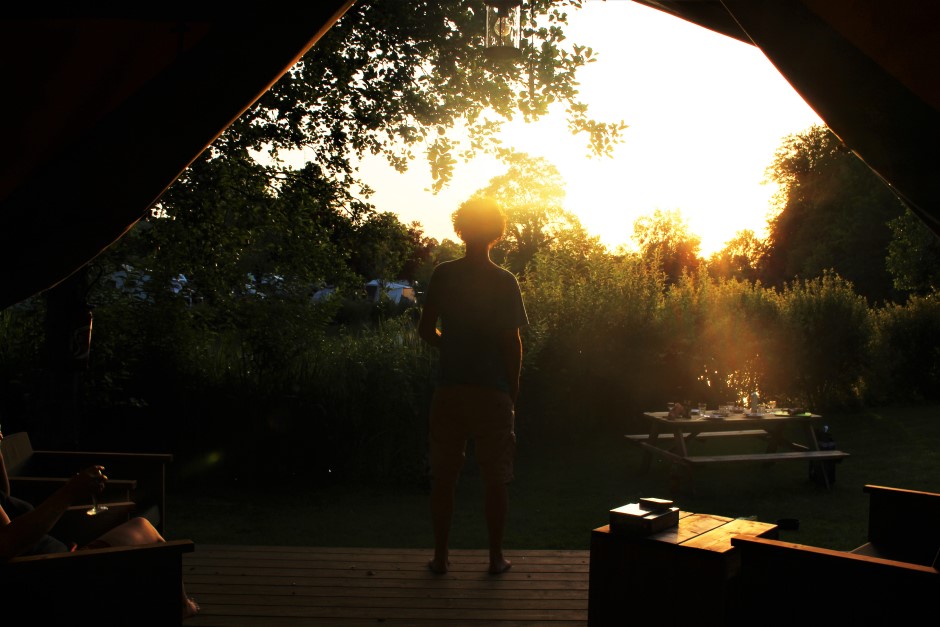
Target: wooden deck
(274,586)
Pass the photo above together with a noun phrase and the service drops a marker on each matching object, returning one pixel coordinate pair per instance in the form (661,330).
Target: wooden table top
(707,532)
(736,420)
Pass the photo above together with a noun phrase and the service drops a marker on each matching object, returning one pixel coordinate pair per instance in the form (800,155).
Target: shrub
(826,333)
(906,351)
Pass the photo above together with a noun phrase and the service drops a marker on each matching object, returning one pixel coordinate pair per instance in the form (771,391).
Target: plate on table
(754,415)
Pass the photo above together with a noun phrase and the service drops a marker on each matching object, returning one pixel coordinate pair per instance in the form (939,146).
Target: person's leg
(496,508)
(496,449)
(134,531)
(139,531)
(448,442)
(442,513)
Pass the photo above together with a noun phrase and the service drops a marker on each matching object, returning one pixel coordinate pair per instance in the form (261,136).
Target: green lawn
(565,487)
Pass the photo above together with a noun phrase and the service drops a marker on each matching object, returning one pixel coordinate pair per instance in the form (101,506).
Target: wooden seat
(137,477)
(706,435)
(138,585)
(786,456)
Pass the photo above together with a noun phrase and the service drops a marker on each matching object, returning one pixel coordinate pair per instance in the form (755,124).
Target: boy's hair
(479,220)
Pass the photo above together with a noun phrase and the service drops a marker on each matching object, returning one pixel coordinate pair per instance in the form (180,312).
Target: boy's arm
(512,358)
(427,325)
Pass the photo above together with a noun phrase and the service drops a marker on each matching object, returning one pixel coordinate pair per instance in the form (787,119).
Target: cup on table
(702,407)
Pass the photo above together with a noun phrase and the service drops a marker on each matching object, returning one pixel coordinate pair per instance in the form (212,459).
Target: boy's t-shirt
(478,305)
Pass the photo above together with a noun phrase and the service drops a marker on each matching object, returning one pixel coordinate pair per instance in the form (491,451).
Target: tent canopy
(104,109)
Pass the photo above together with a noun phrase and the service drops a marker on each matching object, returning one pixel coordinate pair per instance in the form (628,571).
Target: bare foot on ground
(500,566)
(190,607)
(438,567)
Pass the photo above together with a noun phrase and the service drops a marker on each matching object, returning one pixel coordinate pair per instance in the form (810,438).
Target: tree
(739,258)
(664,241)
(832,214)
(913,255)
(230,218)
(392,77)
(422,250)
(381,247)
(531,193)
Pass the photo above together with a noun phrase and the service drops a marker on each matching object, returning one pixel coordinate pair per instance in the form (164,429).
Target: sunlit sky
(705,113)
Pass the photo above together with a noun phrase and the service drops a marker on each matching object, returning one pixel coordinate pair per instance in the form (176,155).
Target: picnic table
(668,437)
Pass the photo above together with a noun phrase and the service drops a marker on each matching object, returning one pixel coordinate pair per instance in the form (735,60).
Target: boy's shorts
(462,412)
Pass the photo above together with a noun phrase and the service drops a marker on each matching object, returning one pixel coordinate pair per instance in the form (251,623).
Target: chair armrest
(111,554)
(108,459)
(141,585)
(38,489)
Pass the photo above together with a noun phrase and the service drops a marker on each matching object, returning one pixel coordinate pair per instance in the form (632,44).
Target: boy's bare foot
(438,567)
(499,566)
(190,607)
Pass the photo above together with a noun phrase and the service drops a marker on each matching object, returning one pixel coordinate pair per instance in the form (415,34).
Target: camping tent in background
(395,291)
(104,108)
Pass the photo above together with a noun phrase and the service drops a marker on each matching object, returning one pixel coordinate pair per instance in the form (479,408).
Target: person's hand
(86,482)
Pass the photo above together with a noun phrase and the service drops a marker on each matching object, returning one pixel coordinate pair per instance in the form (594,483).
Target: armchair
(137,477)
(891,579)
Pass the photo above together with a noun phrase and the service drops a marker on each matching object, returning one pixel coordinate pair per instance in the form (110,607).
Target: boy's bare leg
(442,513)
(497,507)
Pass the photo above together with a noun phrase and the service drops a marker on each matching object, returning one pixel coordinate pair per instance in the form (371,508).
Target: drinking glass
(96,508)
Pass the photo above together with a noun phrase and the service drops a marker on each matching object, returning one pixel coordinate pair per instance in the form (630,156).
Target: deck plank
(275,585)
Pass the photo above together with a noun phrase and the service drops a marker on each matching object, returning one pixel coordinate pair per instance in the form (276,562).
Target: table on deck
(687,573)
(668,438)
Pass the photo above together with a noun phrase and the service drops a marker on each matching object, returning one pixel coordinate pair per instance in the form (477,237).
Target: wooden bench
(897,586)
(138,477)
(813,456)
(707,435)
